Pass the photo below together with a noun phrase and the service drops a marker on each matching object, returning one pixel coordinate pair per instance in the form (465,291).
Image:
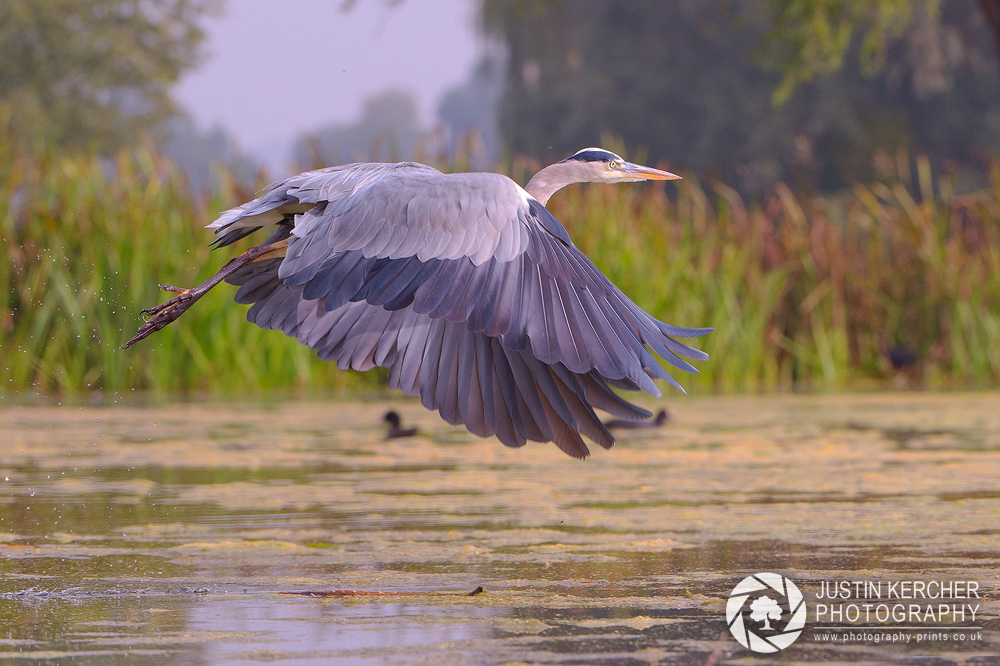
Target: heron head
(590,165)
(603,166)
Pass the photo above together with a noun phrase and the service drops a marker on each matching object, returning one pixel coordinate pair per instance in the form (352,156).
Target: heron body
(463,285)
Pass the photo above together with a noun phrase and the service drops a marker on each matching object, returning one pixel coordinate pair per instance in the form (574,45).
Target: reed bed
(88,241)
(810,292)
(803,292)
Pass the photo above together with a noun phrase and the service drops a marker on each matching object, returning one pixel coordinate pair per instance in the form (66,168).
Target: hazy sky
(274,70)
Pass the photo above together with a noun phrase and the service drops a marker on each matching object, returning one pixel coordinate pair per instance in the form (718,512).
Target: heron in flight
(463,285)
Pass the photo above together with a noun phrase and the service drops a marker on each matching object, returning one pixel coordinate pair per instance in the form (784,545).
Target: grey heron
(463,285)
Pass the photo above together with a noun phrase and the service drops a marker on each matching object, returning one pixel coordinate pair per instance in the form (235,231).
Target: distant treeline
(694,84)
(803,292)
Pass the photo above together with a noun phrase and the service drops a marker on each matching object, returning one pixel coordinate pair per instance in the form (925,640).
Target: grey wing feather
(550,294)
(469,377)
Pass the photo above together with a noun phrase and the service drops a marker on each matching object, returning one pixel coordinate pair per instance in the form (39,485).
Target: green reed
(87,242)
(809,292)
(801,291)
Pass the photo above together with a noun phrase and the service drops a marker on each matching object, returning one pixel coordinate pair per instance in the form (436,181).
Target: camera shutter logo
(763,630)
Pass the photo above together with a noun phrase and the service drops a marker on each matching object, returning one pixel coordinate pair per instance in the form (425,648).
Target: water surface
(173,535)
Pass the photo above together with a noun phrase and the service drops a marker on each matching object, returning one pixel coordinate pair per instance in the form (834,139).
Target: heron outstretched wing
(469,377)
(468,289)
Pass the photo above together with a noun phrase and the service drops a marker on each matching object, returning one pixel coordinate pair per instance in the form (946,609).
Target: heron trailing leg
(164,313)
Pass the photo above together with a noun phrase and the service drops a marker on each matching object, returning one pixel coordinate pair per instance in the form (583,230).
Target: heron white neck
(555,177)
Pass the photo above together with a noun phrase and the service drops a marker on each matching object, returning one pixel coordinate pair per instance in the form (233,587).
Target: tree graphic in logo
(764,610)
(781,598)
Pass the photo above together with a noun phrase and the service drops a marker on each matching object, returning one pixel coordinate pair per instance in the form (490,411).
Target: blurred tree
(991,10)
(810,37)
(389,129)
(469,115)
(93,72)
(679,79)
(202,154)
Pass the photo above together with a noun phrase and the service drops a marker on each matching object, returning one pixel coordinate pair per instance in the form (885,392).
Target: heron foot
(163,306)
(166,312)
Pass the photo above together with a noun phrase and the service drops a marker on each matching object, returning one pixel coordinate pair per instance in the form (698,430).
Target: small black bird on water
(655,422)
(395,431)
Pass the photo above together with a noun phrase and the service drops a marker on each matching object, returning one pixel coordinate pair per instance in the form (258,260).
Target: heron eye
(616,164)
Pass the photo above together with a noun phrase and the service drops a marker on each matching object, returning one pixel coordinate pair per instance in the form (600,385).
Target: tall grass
(809,291)
(800,290)
(87,241)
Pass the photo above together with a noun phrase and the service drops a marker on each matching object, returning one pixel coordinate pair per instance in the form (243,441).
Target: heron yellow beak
(636,172)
